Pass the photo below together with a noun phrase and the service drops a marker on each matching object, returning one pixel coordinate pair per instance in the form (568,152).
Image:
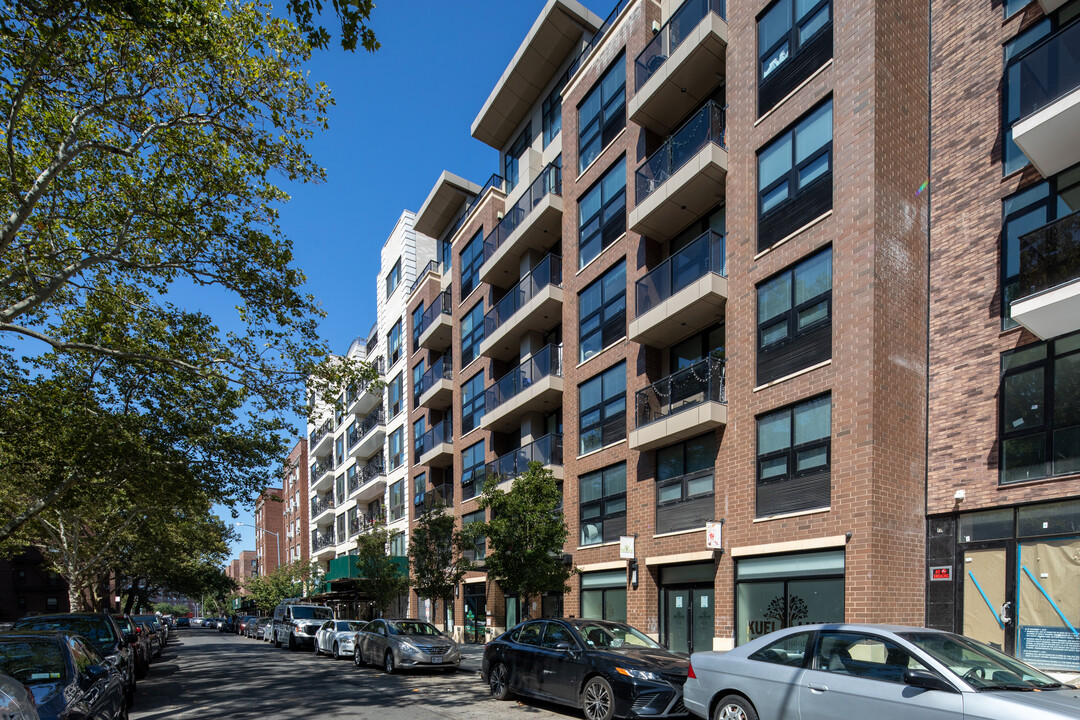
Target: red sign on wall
(942,572)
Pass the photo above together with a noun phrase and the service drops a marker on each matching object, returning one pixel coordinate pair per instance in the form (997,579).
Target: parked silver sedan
(336,637)
(819,672)
(395,644)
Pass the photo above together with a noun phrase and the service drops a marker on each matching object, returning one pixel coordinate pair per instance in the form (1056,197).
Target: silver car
(336,637)
(883,672)
(395,644)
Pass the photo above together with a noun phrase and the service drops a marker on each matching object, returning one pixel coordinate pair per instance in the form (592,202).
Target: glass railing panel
(671,36)
(1050,70)
(704,255)
(441,369)
(620,5)
(544,363)
(706,126)
(441,305)
(441,433)
(547,272)
(700,383)
(1050,256)
(546,451)
(432,267)
(495,181)
(549,181)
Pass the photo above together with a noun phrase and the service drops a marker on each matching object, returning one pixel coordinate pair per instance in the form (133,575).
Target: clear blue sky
(402,116)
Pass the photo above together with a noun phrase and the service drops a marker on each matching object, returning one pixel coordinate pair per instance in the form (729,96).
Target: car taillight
(690,672)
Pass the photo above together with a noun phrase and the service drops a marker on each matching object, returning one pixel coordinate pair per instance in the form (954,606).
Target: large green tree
(380,577)
(267,591)
(436,564)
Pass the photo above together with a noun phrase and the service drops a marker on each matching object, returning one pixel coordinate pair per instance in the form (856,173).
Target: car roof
(33,635)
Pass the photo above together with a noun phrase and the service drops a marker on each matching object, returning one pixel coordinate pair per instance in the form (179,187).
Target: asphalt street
(205,674)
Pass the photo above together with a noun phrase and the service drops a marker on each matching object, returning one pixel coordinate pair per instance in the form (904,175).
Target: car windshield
(308,612)
(31,661)
(613,635)
(981,666)
(412,628)
(348,625)
(97,630)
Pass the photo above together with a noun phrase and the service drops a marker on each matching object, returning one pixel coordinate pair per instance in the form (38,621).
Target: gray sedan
(823,672)
(403,644)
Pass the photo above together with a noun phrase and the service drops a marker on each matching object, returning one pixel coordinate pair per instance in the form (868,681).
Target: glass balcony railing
(321,504)
(547,450)
(671,35)
(441,369)
(620,5)
(431,268)
(700,383)
(318,434)
(438,496)
(1050,256)
(441,433)
(441,305)
(320,467)
(703,255)
(375,468)
(1049,71)
(548,182)
(495,181)
(706,126)
(544,363)
(547,272)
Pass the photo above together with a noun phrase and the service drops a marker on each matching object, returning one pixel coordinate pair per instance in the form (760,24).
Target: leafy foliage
(381,578)
(267,591)
(353,15)
(435,561)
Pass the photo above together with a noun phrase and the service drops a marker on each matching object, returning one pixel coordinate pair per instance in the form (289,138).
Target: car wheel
(123,712)
(334,655)
(277,640)
(357,658)
(597,700)
(388,662)
(734,707)
(292,641)
(318,652)
(499,682)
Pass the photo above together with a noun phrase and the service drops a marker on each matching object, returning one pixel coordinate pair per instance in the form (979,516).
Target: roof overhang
(442,203)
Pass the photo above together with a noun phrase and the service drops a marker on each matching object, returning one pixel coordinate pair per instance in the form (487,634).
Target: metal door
(688,621)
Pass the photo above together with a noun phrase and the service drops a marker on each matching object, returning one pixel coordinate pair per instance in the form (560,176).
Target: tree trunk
(131,596)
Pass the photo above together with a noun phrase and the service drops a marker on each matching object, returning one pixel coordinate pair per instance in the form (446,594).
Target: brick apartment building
(294,507)
(269,524)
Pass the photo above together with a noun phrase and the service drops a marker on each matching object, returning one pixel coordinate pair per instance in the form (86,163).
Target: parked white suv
(296,624)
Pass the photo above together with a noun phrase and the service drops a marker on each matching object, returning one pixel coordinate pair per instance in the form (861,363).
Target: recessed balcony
(684,294)
(437,497)
(322,438)
(682,65)
(680,406)
(1048,299)
(436,389)
(322,544)
(367,436)
(684,178)
(548,451)
(322,471)
(533,305)
(1049,88)
(321,505)
(534,222)
(360,400)
(534,386)
(436,325)
(372,480)
(435,448)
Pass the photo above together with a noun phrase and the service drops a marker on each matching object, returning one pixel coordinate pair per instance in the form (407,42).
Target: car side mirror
(131,638)
(92,674)
(927,681)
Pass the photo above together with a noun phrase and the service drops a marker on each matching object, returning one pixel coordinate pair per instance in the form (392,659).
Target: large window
(603,505)
(472,470)
(417,319)
(1040,410)
(795,177)
(602,214)
(472,332)
(472,402)
(551,112)
(417,377)
(394,392)
(602,312)
(602,114)
(397,448)
(393,343)
(397,501)
(795,318)
(602,400)
(398,545)
(684,484)
(393,278)
(794,40)
(472,257)
(793,457)
(779,591)
(512,159)
(603,595)
(480,549)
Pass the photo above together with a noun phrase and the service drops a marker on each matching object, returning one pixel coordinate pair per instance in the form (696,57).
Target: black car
(183,622)
(140,646)
(67,676)
(607,669)
(101,631)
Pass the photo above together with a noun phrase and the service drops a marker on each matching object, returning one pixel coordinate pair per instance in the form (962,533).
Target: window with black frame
(417,378)
(472,402)
(684,484)
(394,393)
(417,319)
(602,403)
(794,318)
(794,40)
(1040,410)
(397,448)
(393,278)
(472,470)
(512,159)
(602,114)
(603,505)
(602,214)
(551,110)
(397,501)
(472,257)
(795,177)
(602,312)
(479,550)
(794,457)
(419,428)
(472,333)
(1034,207)
(393,344)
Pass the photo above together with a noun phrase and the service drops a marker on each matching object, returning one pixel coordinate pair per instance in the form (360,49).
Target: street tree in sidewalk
(436,564)
(287,581)
(381,579)
(525,534)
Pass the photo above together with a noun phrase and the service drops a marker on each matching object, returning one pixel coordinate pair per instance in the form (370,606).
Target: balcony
(435,325)
(432,269)
(321,504)
(548,451)
(443,204)
(1049,127)
(684,178)
(1048,299)
(360,400)
(322,543)
(372,480)
(533,223)
(368,434)
(321,469)
(682,65)
(682,405)
(438,496)
(435,448)
(533,305)
(684,294)
(321,438)
(534,386)
(436,389)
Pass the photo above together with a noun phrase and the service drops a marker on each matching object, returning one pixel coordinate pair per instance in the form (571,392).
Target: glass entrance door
(986,614)
(688,618)
(475,612)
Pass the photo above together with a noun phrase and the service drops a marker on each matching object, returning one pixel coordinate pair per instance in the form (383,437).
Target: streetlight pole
(277,539)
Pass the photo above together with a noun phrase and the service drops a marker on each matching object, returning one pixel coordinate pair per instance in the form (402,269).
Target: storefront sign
(626,547)
(1050,647)
(714,537)
(941,572)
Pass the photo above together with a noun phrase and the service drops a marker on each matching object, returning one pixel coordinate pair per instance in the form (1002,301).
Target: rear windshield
(99,631)
(31,661)
(308,612)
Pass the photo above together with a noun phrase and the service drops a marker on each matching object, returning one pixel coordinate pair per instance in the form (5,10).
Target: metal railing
(620,5)
(548,361)
(678,27)
(548,182)
(547,272)
(438,495)
(700,383)
(704,255)
(441,369)
(1050,256)
(441,433)
(371,421)
(431,268)
(353,481)
(1049,71)
(318,434)
(319,540)
(547,450)
(441,305)
(706,126)
(372,339)
(321,467)
(495,181)
(374,468)
(320,505)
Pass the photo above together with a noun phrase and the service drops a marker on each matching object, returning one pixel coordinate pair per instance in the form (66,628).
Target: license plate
(436,659)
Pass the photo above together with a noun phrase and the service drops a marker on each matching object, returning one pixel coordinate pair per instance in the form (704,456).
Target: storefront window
(1049,606)
(603,595)
(787,590)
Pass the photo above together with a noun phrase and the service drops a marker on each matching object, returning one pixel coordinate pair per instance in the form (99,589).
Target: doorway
(986,609)
(687,596)
(475,612)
